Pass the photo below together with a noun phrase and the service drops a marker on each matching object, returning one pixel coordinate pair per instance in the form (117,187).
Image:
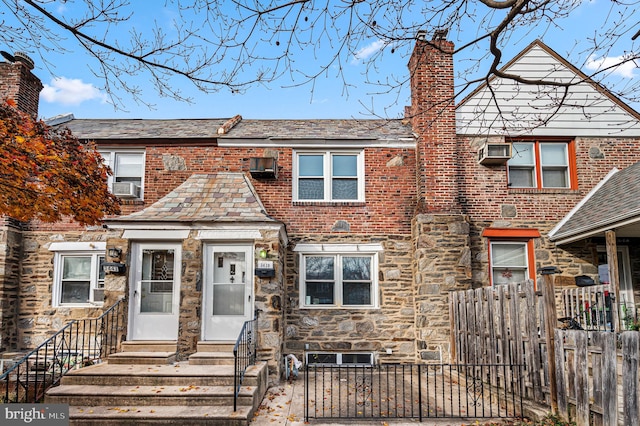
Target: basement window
(362,359)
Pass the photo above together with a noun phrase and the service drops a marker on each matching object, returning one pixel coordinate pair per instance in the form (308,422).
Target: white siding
(533,110)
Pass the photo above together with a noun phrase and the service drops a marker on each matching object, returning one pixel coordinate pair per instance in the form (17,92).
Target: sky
(71,87)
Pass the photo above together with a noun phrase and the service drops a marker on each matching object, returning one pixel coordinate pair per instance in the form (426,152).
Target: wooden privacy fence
(502,325)
(596,385)
(590,377)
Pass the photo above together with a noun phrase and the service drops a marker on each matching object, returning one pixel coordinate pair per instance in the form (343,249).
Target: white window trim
(526,257)
(58,263)
(327,175)
(110,161)
(317,249)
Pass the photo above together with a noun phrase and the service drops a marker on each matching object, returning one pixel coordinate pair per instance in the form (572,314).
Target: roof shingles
(217,197)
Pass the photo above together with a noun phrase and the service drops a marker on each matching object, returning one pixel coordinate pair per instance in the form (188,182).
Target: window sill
(330,203)
(342,308)
(80,305)
(543,191)
(131,202)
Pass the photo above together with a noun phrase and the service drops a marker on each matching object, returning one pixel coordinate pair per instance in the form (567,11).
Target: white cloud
(624,70)
(367,51)
(70,91)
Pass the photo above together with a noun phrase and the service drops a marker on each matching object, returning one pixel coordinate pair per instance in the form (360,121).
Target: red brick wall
(19,84)
(389,190)
(432,113)
(484,190)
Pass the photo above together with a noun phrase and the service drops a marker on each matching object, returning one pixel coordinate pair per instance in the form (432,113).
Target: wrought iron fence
(79,344)
(244,354)
(413,391)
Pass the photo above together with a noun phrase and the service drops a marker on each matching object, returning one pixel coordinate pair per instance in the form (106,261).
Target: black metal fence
(414,391)
(80,343)
(244,354)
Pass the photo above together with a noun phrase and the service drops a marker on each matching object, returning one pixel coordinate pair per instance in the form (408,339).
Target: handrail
(244,354)
(78,344)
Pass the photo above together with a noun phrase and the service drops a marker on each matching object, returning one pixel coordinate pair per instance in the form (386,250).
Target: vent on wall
(494,153)
(263,168)
(337,358)
(126,190)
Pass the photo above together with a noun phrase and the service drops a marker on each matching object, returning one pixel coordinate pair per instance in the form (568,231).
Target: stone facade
(428,202)
(389,326)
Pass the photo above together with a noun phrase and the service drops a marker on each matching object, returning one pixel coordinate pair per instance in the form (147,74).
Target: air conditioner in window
(494,153)
(263,167)
(126,190)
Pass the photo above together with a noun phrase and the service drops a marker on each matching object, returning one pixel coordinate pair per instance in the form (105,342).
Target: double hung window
(128,172)
(509,262)
(347,279)
(328,176)
(78,276)
(537,164)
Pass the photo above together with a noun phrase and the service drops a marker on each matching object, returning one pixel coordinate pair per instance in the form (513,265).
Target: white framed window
(78,277)
(338,279)
(536,164)
(509,262)
(127,180)
(328,176)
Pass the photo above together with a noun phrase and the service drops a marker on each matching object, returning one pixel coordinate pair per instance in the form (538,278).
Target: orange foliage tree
(48,174)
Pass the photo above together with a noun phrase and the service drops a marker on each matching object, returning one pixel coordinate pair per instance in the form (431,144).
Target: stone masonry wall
(36,316)
(391,326)
(10,254)
(441,263)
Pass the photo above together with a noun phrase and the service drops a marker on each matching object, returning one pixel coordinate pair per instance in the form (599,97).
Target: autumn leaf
(50,175)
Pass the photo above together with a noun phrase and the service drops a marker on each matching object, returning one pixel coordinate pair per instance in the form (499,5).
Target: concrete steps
(145,352)
(217,353)
(141,392)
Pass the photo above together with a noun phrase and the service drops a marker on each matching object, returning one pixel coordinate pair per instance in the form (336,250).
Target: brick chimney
(17,82)
(432,113)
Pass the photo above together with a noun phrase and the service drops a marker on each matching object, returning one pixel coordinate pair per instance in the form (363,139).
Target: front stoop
(145,352)
(180,393)
(213,353)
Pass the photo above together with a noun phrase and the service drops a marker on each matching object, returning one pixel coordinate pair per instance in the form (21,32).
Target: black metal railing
(415,391)
(78,344)
(244,354)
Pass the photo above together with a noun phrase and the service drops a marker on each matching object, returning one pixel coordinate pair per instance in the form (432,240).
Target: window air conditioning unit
(126,190)
(263,167)
(494,153)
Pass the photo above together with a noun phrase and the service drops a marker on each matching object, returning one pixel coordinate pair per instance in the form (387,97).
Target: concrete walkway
(283,405)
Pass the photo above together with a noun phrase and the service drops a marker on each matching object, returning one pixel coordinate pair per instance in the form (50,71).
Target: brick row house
(346,235)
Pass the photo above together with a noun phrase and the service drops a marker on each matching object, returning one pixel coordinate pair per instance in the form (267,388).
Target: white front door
(154,291)
(228,290)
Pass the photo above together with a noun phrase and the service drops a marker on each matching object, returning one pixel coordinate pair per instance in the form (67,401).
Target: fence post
(550,319)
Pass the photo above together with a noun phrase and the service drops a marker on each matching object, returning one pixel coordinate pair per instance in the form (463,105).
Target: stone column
(442,263)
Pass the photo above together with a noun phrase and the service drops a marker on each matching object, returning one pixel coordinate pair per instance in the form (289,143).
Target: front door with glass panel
(228,290)
(155,290)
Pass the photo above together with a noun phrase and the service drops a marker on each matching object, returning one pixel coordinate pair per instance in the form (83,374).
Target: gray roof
(615,201)
(321,129)
(91,129)
(217,197)
(132,129)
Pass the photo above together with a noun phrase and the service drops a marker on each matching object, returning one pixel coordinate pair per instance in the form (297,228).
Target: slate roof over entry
(217,197)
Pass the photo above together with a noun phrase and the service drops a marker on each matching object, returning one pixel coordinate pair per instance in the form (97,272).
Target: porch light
(263,253)
(114,252)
